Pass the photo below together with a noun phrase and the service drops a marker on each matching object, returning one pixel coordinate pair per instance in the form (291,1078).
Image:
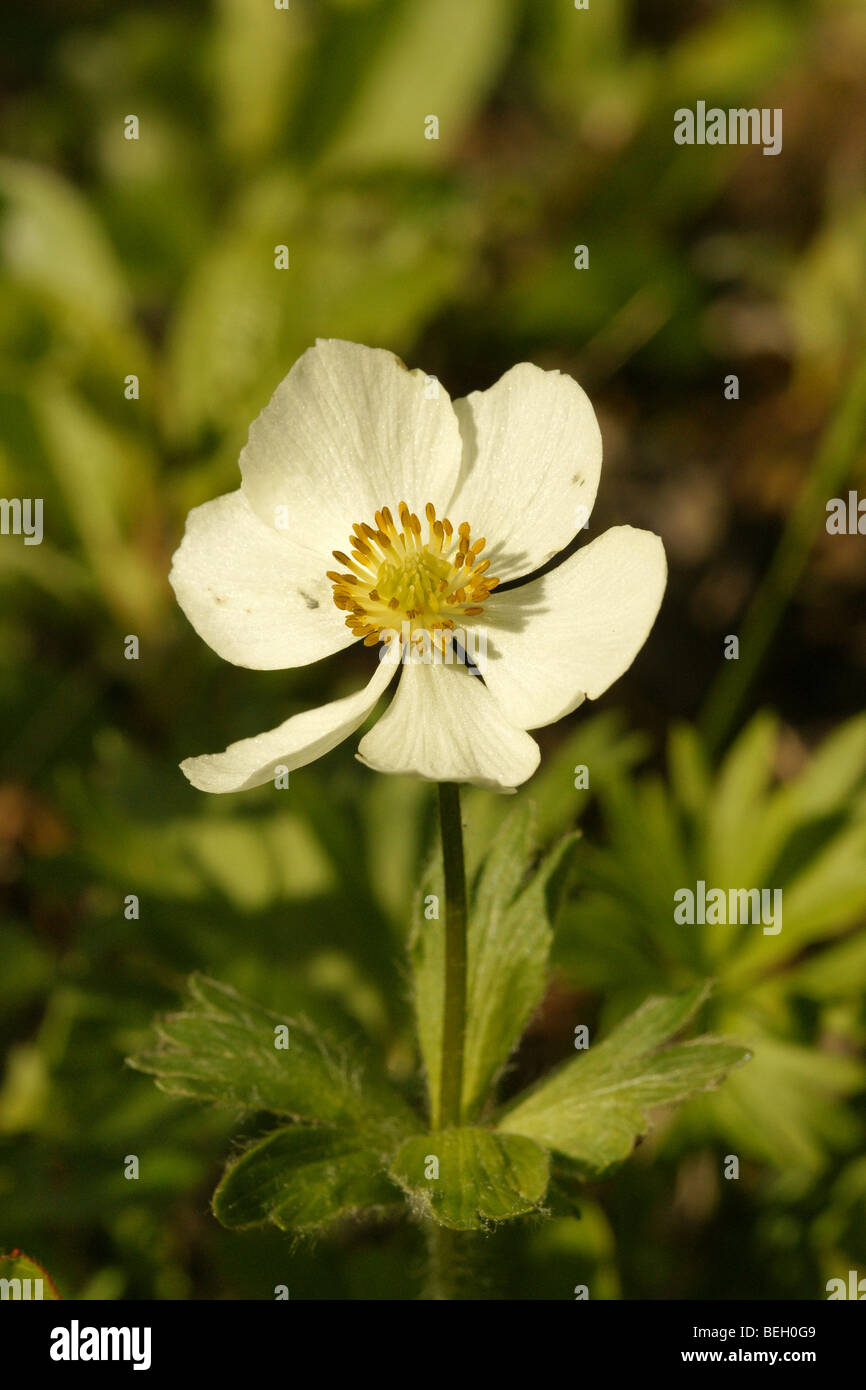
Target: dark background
(155,257)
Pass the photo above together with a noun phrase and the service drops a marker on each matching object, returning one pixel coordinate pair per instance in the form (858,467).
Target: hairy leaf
(302,1178)
(595,1107)
(466,1178)
(509,939)
(223,1049)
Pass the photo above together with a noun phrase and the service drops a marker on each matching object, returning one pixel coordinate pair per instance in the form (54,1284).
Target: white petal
(348,431)
(444,726)
(252,593)
(298,741)
(574,631)
(531,464)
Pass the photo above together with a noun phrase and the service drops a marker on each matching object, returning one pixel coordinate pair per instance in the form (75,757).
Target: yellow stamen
(396,577)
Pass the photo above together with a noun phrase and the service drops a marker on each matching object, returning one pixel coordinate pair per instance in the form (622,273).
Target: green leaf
(257,54)
(510,936)
(826,288)
(785,1108)
(690,775)
(54,245)
(508,944)
(302,1178)
(225,333)
(404,80)
(393,842)
(595,1107)
(104,478)
(828,895)
(737,794)
(34,1282)
(735,52)
(223,1049)
(240,323)
(837,972)
(251,863)
(481,1176)
(427,956)
(836,769)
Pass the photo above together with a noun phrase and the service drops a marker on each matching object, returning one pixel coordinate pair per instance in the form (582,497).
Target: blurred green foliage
(155,257)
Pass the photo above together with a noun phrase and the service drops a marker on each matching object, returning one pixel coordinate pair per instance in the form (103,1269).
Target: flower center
(395,577)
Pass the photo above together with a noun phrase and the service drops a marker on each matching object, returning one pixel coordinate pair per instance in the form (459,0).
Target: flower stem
(454,1014)
(461,1266)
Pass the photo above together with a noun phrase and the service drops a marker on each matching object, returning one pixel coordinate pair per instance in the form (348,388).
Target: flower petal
(443,725)
(252,593)
(531,464)
(574,631)
(349,430)
(298,741)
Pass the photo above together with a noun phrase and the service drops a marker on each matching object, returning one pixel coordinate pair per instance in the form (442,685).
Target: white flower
(359,463)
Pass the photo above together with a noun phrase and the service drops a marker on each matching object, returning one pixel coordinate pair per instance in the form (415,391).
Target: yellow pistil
(394,577)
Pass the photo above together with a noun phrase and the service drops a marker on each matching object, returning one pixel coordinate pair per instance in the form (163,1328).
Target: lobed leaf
(223,1049)
(479,1176)
(302,1178)
(508,952)
(509,937)
(594,1108)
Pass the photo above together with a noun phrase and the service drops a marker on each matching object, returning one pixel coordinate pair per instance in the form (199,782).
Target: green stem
(454,1013)
(460,1266)
(446,1250)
